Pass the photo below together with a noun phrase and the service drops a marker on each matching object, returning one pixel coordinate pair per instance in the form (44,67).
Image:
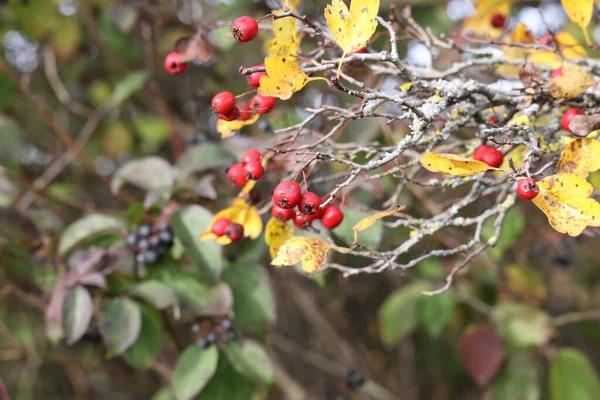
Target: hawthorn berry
(220,226)
(235,232)
(244,29)
(556,73)
(262,104)
(492,120)
(236,174)
(230,115)
(567,117)
(223,102)
(245,112)
(498,20)
(547,39)
(282,214)
(332,217)
(254,79)
(303,221)
(250,155)
(527,188)
(254,170)
(173,65)
(489,155)
(309,203)
(287,195)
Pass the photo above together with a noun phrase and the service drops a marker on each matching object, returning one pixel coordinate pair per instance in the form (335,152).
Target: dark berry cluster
(219,334)
(249,168)
(344,386)
(150,244)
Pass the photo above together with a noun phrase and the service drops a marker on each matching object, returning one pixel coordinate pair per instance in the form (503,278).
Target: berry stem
(245,94)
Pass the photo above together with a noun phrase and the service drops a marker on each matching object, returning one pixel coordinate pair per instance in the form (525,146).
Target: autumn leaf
(580,12)
(312,252)
(581,157)
(521,35)
(480,22)
(276,234)
(370,220)
(286,41)
(228,128)
(452,164)
(574,81)
(568,46)
(242,213)
(283,78)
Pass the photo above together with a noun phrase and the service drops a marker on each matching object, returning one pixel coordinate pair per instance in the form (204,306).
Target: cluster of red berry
(224,227)
(288,195)
(249,168)
(223,104)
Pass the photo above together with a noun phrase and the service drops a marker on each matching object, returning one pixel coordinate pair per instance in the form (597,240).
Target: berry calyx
(250,155)
(173,65)
(302,221)
(556,73)
(527,188)
(262,104)
(254,170)
(309,203)
(489,155)
(254,79)
(220,226)
(236,175)
(223,102)
(498,20)
(235,232)
(282,214)
(287,195)
(332,217)
(245,112)
(567,117)
(244,29)
(231,115)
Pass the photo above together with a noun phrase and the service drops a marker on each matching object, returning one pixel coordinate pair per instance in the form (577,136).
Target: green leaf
(194,368)
(522,325)
(188,224)
(149,342)
(12,137)
(77,313)
(87,228)
(202,157)
(127,86)
(250,359)
(436,312)
(572,376)
(370,237)
(398,316)
(164,394)
(120,324)
(513,226)
(228,384)
(254,305)
(152,132)
(519,379)
(152,174)
(158,294)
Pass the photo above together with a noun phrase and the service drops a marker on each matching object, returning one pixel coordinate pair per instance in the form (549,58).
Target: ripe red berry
(245,112)
(498,20)
(230,115)
(254,79)
(223,102)
(547,39)
(361,50)
(235,232)
(281,214)
(556,73)
(236,175)
(489,155)
(250,155)
(332,217)
(567,117)
(254,170)
(527,188)
(303,221)
(220,226)
(287,195)
(244,29)
(173,65)
(492,120)
(262,104)
(309,203)
(480,152)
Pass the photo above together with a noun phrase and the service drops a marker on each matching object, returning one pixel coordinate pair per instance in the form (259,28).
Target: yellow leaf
(452,164)
(283,78)
(286,41)
(567,45)
(276,234)
(241,213)
(581,157)
(574,81)
(229,128)
(370,220)
(522,34)
(580,12)
(405,87)
(310,251)
(481,22)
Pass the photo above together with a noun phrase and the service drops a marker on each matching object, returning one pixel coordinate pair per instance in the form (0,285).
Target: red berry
(281,214)
(254,170)
(556,73)
(244,29)
(489,155)
(480,152)
(547,39)
(173,65)
(251,155)
(567,117)
(498,20)
(262,104)
(303,221)
(236,175)
(220,226)
(254,79)
(332,217)
(235,232)
(287,195)
(245,112)
(223,102)
(361,50)
(492,120)
(309,203)
(231,115)
(527,188)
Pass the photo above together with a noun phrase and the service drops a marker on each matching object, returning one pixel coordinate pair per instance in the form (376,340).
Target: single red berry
(361,50)
(547,39)
(480,152)
(236,175)
(223,102)
(556,73)
(492,120)
(309,203)
(287,195)
(245,112)
(244,29)
(231,115)
(250,155)
(254,170)
(498,20)
(173,65)
(220,226)
(332,217)
(235,232)
(281,214)
(262,104)
(527,188)
(254,79)
(493,157)
(567,117)
(303,221)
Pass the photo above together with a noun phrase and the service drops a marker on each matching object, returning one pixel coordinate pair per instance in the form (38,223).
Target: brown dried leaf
(191,47)
(583,125)
(481,351)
